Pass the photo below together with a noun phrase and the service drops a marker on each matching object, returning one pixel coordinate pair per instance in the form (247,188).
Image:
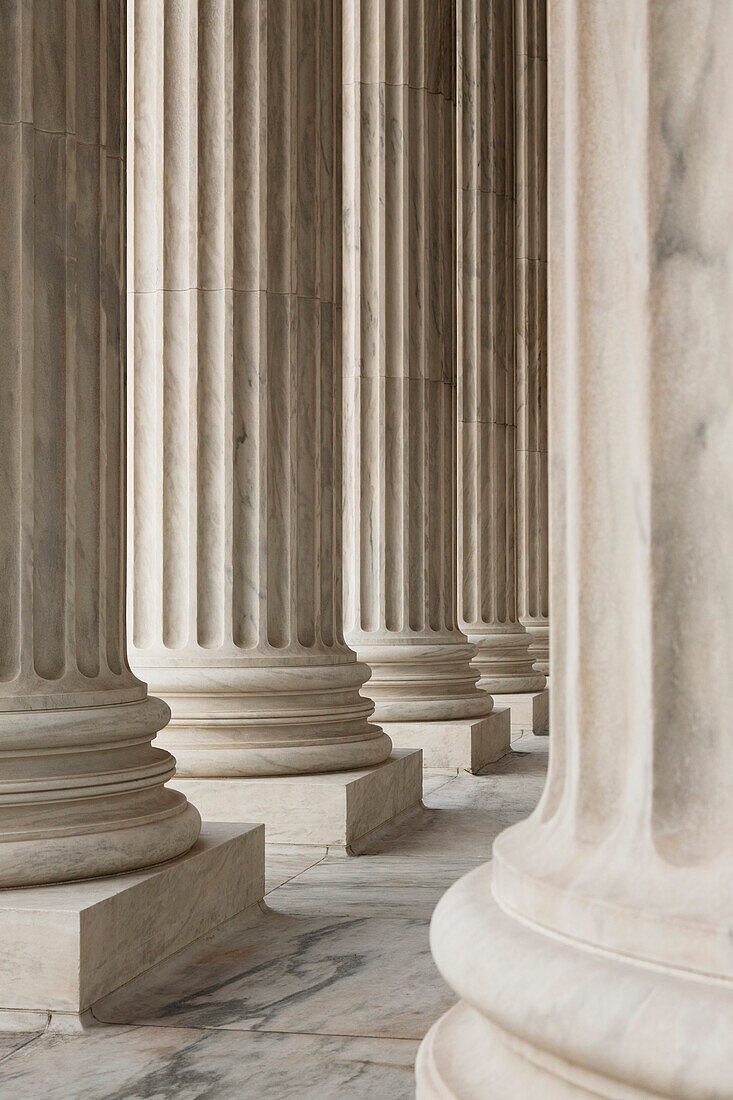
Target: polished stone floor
(325,994)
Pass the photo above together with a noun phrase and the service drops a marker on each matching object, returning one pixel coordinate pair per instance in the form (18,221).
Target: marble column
(83,792)
(236,406)
(613,900)
(487,427)
(530,68)
(399,382)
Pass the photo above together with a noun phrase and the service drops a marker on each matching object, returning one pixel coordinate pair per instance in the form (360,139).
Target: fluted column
(487,432)
(613,901)
(399,363)
(531,325)
(236,389)
(82,792)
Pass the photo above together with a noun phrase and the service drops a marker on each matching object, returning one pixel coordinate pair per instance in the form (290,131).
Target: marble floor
(324,994)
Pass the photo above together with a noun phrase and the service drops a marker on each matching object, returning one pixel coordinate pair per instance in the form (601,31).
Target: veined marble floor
(325,995)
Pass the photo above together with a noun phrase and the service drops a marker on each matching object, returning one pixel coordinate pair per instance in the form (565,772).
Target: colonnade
(279,436)
(283,436)
(595,958)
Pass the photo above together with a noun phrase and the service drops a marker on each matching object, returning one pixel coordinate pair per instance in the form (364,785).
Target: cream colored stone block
(336,809)
(530,712)
(65,946)
(470,744)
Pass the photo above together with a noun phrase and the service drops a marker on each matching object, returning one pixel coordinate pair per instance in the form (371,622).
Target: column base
(68,945)
(530,712)
(447,1067)
(468,745)
(563,1021)
(334,809)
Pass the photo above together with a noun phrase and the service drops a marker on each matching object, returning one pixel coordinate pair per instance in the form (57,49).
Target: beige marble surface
(304,999)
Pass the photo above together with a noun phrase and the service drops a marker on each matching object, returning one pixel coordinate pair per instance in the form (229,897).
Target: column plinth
(613,899)
(399,374)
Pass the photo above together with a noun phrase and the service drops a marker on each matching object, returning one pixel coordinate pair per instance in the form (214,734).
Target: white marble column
(236,399)
(530,69)
(82,792)
(487,431)
(399,381)
(603,963)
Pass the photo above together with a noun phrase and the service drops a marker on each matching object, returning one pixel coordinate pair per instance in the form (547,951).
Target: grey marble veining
(376,885)
(322,975)
(162,1063)
(14,1040)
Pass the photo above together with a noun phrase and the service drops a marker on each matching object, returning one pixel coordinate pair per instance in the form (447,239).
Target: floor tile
(386,886)
(283,863)
(326,975)
(155,1063)
(12,1040)
(431,781)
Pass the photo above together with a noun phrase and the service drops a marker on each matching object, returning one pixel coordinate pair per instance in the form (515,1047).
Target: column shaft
(399,362)
(236,390)
(530,69)
(81,791)
(614,898)
(487,432)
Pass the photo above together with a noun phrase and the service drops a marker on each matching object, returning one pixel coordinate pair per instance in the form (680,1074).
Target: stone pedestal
(595,958)
(67,946)
(339,810)
(487,426)
(466,745)
(530,712)
(400,372)
(236,389)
